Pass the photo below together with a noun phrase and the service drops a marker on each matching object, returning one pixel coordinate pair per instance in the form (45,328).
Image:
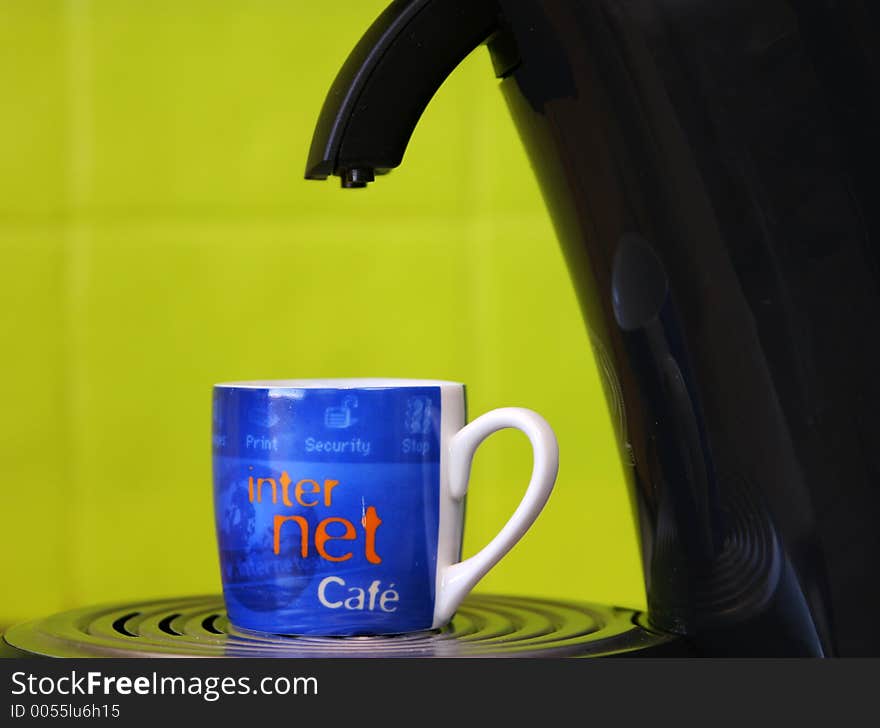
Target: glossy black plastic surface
(387,81)
(709,166)
(484,626)
(709,169)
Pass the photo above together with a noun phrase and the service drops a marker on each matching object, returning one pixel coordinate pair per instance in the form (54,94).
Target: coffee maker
(708,166)
(709,169)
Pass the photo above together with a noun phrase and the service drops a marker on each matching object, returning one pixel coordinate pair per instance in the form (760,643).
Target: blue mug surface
(339,504)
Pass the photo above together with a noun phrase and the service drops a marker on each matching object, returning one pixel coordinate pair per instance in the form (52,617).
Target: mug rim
(337,383)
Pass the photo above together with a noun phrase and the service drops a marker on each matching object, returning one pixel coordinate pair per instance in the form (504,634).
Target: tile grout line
(247,219)
(480,228)
(79,126)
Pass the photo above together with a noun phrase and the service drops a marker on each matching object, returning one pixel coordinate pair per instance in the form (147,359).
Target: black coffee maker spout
(382,89)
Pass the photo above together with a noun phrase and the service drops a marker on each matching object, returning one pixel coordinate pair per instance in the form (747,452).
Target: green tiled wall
(157,236)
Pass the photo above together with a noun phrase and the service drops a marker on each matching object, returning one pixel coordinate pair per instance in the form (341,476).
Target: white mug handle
(457,580)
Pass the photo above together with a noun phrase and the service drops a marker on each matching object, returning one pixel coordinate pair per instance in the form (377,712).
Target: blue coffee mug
(339,503)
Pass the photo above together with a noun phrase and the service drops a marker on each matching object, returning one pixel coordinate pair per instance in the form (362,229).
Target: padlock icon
(338,418)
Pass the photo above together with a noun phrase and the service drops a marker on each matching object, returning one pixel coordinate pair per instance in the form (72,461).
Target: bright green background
(157,236)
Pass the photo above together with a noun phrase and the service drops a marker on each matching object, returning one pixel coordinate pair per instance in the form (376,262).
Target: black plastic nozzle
(356,177)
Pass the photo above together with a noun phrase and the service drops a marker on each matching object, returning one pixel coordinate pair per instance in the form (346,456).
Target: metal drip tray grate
(485,626)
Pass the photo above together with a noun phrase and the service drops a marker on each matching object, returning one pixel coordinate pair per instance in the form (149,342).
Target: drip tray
(484,626)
